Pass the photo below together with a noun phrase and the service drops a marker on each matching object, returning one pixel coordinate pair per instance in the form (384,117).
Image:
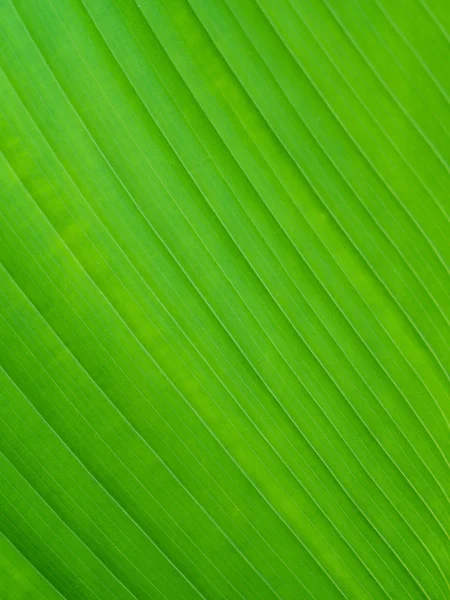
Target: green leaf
(224,299)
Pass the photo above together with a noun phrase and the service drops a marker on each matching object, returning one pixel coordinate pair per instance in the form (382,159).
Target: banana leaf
(224,299)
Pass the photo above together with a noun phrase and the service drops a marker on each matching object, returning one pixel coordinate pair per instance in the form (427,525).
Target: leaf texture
(224,299)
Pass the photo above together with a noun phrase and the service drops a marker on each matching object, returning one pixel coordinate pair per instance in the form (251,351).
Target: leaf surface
(224,299)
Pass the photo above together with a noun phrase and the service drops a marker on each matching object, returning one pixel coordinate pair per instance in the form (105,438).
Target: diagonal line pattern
(198,395)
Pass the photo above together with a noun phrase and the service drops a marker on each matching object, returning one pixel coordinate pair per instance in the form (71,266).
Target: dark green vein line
(94,478)
(64,523)
(37,570)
